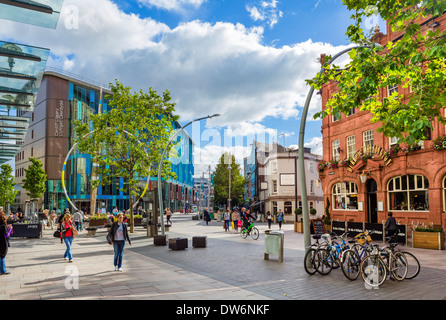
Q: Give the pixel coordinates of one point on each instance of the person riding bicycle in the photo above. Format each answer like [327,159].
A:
[245,217]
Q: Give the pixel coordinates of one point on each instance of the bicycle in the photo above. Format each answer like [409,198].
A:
[250,230]
[375,267]
[331,257]
[310,259]
[352,257]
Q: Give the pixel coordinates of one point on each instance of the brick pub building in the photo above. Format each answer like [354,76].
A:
[410,184]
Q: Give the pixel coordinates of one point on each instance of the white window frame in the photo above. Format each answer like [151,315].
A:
[397,181]
[391,89]
[367,141]
[351,146]
[340,190]
[336,146]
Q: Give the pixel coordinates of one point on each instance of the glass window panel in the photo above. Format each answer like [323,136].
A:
[411,182]
[43,13]
[419,182]
[398,183]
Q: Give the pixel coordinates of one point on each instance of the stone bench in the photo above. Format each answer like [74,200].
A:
[178,243]
[199,242]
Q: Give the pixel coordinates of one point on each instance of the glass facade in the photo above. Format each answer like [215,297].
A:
[83,101]
[42,13]
[21,70]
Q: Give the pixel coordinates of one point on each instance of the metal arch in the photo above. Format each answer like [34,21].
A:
[69,154]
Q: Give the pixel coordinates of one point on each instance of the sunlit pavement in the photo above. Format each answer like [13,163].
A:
[229,268]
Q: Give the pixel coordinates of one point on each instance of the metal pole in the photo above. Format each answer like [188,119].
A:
[160,166]
[303,183]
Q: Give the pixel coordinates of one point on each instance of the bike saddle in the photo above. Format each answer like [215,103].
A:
[316,237]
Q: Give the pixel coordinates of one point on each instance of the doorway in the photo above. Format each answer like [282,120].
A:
[372,206]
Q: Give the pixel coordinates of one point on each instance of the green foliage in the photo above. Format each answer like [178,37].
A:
[416,61]
[7,182]
[327,218]
[35,178]
[221,181]
[129,138]
[428,230]
[313,211]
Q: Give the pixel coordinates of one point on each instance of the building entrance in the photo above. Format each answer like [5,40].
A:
[372,210]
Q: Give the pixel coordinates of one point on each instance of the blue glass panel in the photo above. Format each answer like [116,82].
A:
[70,91]
[43,13]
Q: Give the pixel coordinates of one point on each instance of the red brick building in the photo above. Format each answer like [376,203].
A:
[410,184]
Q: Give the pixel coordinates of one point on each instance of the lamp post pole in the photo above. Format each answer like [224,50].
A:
[160,165]
[303,183]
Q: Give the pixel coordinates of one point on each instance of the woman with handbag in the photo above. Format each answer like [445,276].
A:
[117,235]
[67,234]
[4,243]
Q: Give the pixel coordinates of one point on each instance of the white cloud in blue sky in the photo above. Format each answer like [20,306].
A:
[224,65]
[265,11]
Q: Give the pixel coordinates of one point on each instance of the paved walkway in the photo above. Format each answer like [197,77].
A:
[229,268]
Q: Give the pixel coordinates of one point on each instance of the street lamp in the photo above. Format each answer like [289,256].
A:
[160,165]
[306,219]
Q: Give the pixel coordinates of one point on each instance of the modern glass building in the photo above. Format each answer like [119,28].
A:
[21,70]
[62,99]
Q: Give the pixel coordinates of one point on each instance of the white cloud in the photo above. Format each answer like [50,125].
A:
[172,5]
[265,11]
[208,68]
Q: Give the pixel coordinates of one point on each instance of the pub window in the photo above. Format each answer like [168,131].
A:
[336,147]
[351,146]
[408,193]
[287,207]
[345,196]
[367,141]
[391,89]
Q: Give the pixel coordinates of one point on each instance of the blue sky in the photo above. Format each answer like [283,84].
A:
[245,59]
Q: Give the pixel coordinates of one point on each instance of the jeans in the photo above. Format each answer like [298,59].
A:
[2,265]
[68,241]
[118,246]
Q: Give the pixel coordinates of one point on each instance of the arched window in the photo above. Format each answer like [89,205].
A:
[345,196]
[408,193]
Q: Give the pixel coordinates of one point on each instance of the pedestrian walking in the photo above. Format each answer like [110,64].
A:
[227,217]
[168,214]
[78,217]
[235,219]
[52,219]
[206,216]
[4,242]
[390,227]
[280,218]
[269,218]
[118,234]
[67,234]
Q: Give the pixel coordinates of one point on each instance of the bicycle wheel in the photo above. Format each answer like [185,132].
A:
[413,265]
[243,233]
[373,270]
[350,264]
[399,266]
[324,263]
[255,233]
[310,261]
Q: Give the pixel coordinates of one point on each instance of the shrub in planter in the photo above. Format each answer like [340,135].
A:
[313,211]
[428,238]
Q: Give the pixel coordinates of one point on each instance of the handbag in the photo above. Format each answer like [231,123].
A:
[109,238]
[75,232]
[56,234]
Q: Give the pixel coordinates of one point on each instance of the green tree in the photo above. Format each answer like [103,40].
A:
[7,182]
[35,178]
[417,60]
[129,138]
[221,181]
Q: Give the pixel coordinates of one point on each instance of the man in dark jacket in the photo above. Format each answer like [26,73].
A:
[390,226]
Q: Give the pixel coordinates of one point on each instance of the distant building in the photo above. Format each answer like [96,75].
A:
[271,180]
[61,100]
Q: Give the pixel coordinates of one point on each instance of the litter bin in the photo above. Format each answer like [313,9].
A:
[274,244]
